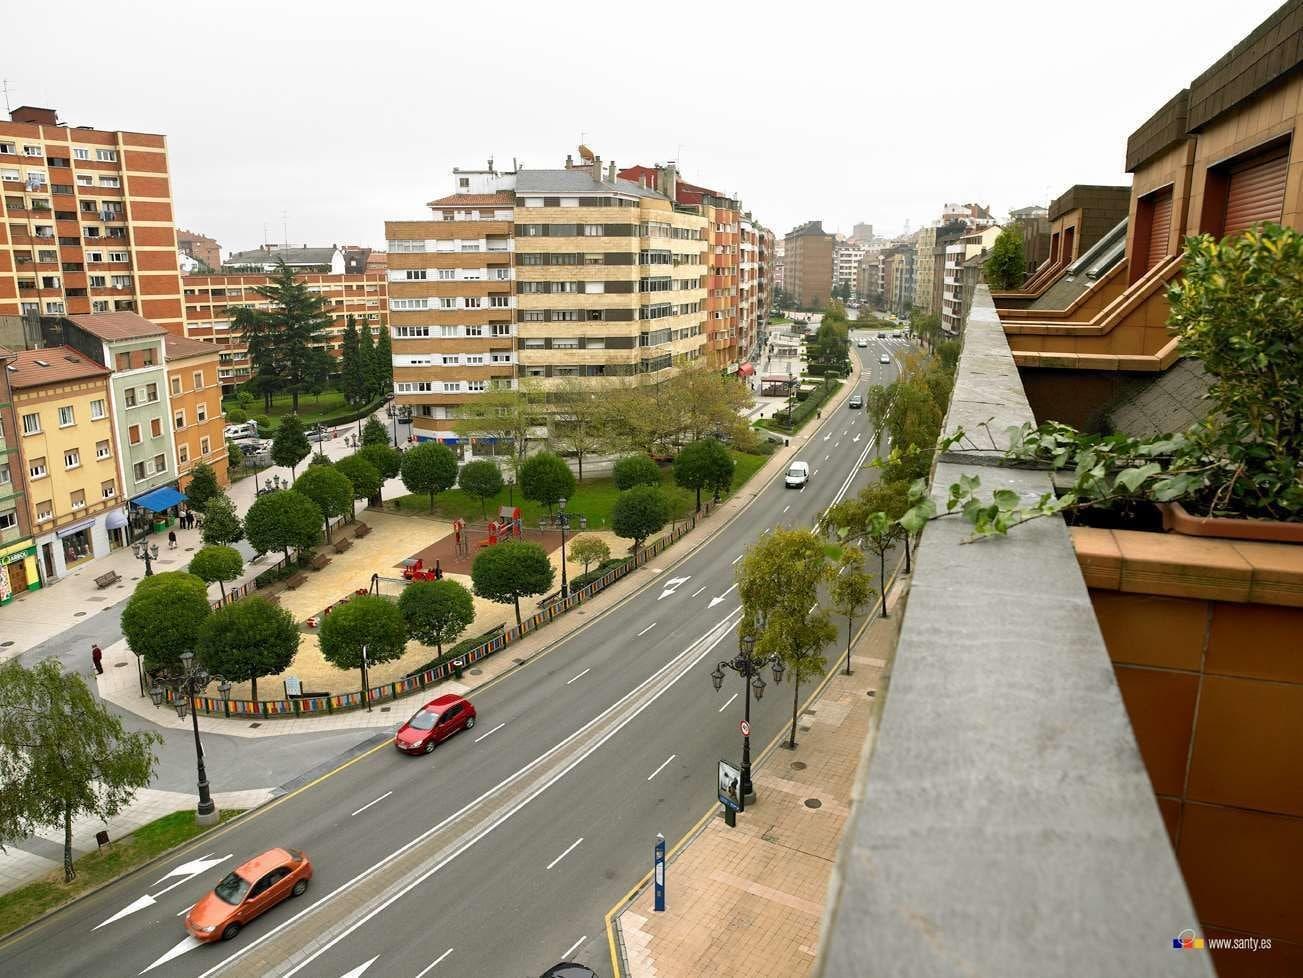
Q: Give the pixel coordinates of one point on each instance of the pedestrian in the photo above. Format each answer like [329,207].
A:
[171,539]
[96,656]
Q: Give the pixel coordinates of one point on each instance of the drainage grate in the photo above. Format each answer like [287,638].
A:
[813,803]
[870,693]
[384,709]
[119,665]
[798,765]
[254,726]
[477,672]
[78,614]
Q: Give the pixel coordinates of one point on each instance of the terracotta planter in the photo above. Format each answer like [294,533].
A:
[1177,520]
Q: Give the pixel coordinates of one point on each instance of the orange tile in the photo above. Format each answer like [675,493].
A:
[1277,571]
[1161,707]
[1170,808]
[1256,641]
[1098,555]
[1186,567]
[1152,630]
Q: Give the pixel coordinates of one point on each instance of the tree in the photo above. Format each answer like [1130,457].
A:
[217,563]
[577,422]
[436,611]
[221,525]
[639,512]
[366,355]
[234,455]
[368,621]
[387,461]
[589,550]
[375,433]
[63,755]
[382,366]
[1007,265]
[511,570]
[287,334]
[781,573]
[162,617]
[852,590]
[505,415]
[202,486]
[261,338]
[319,458]
[430,468]
[245,400]
[482,479]
[635,470]
[798,637]
[352,377]
[329,489]
[283,520]
[877,403]
[704,464]
[291,445]
[546,478]
[711,403]
[248,639]
[236,416]
[362,475]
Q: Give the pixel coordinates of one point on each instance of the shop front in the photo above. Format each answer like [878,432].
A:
[18,570]
[78,544]
[115,523]
[154,511]
[71,546]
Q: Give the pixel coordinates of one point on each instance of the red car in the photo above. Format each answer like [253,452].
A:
[438,720]
[249,891]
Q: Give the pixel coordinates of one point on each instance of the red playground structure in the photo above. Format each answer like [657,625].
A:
[414,569]
[506,527]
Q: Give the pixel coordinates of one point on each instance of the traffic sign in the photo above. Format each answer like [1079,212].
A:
[746,728]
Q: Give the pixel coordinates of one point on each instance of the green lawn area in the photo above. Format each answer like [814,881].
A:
[312,407]
[25,904]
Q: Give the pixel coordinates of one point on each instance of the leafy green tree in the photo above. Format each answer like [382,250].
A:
[262,340]
[221,524]
[248,639]
[291,445]
[851,592]
[284,340]
[382,366]
[783,571]
[436,611]
[329,489]
[589,550]
[375,433]
[245,400]
[264,425]
[577,421]
[366,358]
[482,479]
[201,487]
[877,403]
[368,620]
[639,512]
[387,461]
[362,475]
[506,415]
[352,378]
[545,478]
[234,455]
[64,755]
[1007,265]
[319,458]
[947,352]
[430,468]
[798,637]
[162,617]
[635,470]
[216,563]
[236,416]
[704,464]
[281,521]
[511,570]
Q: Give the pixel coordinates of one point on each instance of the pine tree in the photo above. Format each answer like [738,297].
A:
[366,355]
[295,322]
[350,367]
[384,365]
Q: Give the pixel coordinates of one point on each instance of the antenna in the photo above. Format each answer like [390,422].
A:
[285,234]
[4,84]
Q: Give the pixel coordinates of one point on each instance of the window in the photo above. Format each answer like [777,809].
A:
[133,434]
[565,315]
[450,360]
[501,329]
[102,450]
[160,463]
[593,230]
[474,330]
[96,257]
[473,302]
[32,151]
[138,470]
[151,393]
[415,275]
[449,331]
[106,155]
[565,343]
[201,413]
[179,420]
[156,427]
[44,511]
[54,308]
[72,458]
[183,452]
[410,332]
[451,386]
[120,256]
[107,490]
[476,385]
[78,499]
[129,393]
[198,379]
[110,182]
[447,274]
[4,474]
[31,424]
[66,418]
[8,519]
[447,303]
[532,316]
[502,273]
[36,469]
[176,386]
[97,410]
[204,445]
[80,154]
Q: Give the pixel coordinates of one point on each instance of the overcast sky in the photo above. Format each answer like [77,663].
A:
[342,115]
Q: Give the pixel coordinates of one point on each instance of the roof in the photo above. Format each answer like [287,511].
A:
[473,200]
[36,368]
[377,260]
[1152,405]
[809,227]
[578,180]
[291,256]
[183,348]
[117,325]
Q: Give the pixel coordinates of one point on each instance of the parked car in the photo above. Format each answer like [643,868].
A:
[568,969]
[248,429]
[435,722]
[856,401]
[247,892]
[884,359]
[797,475]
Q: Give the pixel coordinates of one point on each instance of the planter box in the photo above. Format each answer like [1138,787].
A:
[1178,520]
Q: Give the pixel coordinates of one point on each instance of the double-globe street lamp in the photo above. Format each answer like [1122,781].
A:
[564,521]
[190,681]
[749,668]
[146,551]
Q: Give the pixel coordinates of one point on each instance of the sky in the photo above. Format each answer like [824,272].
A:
[315,123]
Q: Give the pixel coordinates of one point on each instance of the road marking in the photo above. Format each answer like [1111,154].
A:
[185,910]
[787,507]
[491,732]
[649,777]
[187,872]
[426,970]
[580,676]
[571,949]
[816,471]
[569,849]
[187,944]
[826,457]
[717,600]
[672,585]
[704,586]
[726,703]
[646,630]
[856,439]
[827,436]
[358,971]
[736,559]
[837,443]
[370,803]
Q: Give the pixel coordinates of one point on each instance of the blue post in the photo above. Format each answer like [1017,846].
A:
[660,872]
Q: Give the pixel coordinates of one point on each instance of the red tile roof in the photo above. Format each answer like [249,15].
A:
[183,348]
[117,325]
[36,368]
[471,200]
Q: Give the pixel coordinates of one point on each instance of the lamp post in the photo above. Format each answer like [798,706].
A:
[748,667]
[393,421]
[564,521]
[186,684]
[365,693]
[511,489]
[146,551]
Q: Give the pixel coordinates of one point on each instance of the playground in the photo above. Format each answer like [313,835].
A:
[454,552]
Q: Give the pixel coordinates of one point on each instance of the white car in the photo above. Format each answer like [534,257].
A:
[798,475]
[862,343]
[884,359]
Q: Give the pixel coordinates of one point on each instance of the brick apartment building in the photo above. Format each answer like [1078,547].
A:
[199,247]
[808,265]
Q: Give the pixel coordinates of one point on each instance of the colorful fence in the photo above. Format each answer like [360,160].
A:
[309,705]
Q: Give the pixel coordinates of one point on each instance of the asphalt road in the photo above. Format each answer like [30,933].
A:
[499,854]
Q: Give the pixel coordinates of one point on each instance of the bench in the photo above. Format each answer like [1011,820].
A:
[318,561]
[362,529]
[296,579]
[342,544]
[107,579]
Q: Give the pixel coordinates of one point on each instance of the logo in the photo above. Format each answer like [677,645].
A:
[1186,941]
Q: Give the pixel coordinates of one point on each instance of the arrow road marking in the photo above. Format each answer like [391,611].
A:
[569,849]
[717,600]
[856,438]
[571,949]
[188,944]
[649,777]
[187,872]
[646,630]
[672,585]
[357,972]
[489,734]
[827,436]
[370,803]
[429,967]
[726,703]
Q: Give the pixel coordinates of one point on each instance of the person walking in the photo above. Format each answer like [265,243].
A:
[96,656]
[171,539]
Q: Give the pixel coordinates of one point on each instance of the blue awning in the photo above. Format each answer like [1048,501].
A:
[159,500]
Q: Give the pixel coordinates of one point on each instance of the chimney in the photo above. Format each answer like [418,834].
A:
[570,161]
[597,169]
[610,173]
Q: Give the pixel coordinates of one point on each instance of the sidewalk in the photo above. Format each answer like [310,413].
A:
[765,882]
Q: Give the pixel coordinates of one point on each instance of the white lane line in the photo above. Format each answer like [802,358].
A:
[370,803]
[426,970]
[652,775]
[185,910]
[491,732]
[787,507]
[816,471]
[646,630]
[826,457]
[704,586]
[837,443]
[580,676]
[569,849]
[569,951]
[726,702]
[736,559]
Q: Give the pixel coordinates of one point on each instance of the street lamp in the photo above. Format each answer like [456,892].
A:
[365,693]
[511,489]
[185,684]
[749,668]
[146,551]
[564,521]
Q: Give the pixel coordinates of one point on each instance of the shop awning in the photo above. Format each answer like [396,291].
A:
[158,500]
[115,520]
[746,370]
[68,531]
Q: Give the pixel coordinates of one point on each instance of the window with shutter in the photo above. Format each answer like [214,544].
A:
[1160,228]
[1255,193]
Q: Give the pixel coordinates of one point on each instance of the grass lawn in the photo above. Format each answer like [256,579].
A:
[311,406]
[25,904]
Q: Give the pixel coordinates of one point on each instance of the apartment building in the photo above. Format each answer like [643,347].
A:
[925,268]
[85,221]
[267,258]
[780,263]
[209,300]
[199,247]
[962,270]
[808,265]
[862,234]
[974,215]
[846,257]
[868,279]
[68,452]
[18,571]
[195,393]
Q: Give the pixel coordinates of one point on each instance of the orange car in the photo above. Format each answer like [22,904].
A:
[253,888]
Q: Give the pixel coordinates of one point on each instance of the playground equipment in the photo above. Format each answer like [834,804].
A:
[414,569]
[505,527]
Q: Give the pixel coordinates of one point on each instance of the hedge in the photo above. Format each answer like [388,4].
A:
[604,568]
[461,648]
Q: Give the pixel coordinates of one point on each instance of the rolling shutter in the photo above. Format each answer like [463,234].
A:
[1160,229]
[1256,193]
